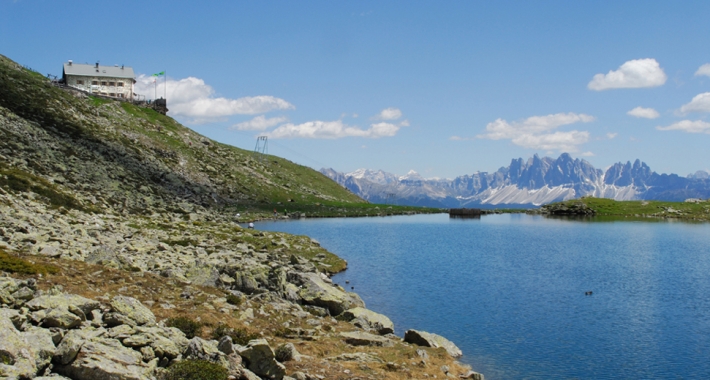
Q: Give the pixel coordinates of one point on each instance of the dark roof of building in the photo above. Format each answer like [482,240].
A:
[100,71]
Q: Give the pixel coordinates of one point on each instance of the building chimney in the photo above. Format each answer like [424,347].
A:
[70,62]
[97,65]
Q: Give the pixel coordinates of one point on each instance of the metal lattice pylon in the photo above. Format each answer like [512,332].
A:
[262,148]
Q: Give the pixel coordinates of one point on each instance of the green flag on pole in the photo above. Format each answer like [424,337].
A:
[159,74]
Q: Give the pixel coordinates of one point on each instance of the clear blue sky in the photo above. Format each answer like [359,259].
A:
[445,88]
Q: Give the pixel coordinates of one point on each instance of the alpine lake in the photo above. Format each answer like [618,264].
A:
[512,290]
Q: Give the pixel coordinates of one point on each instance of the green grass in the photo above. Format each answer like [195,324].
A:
[96,101]
[14,264]
[640,209]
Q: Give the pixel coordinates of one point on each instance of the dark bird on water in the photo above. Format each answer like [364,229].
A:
[588,293]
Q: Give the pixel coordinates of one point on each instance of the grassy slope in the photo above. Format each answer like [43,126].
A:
[130,147]
[660,209]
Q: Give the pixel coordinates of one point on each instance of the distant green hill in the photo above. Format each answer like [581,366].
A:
[85,152]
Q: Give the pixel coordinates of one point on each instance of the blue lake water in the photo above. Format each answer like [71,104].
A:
[509,290]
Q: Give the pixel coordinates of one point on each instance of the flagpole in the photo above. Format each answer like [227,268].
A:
[165,89]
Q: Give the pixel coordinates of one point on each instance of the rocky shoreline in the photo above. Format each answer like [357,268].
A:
[76,337]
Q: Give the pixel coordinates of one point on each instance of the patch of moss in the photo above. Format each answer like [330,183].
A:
[14,264]
[186,325]
[195,370]
[96,101]
[5,358]
[239,335]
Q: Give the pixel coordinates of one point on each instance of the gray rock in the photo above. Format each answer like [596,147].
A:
[17,318]
[69,347]
[63,300]
[359,338]
[113,319]
[472,375]
[103,358]
[226,345]
[165,342]
[61,317]
[24,353]
[317,292]
[287,352]
[261,360]
[133,309]
[360,357]
[422,338]
[369,320]
[201,349]
[248,375]
[24,294]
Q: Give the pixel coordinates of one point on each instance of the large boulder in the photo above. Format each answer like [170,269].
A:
[422,338]
[165,342]
[133,309]
[23,354]
[63,300]
[369,320]
[104,358]
[315,291]
[262,360]
[61,317]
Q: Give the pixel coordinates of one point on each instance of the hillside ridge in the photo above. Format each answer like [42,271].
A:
[120,236]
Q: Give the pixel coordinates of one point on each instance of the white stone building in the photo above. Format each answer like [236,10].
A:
[114,81]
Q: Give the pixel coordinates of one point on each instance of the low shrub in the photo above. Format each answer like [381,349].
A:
[239,336]
[195,370]
[186,325]
[234,300]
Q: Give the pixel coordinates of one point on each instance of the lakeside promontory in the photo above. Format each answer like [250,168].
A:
[123,256]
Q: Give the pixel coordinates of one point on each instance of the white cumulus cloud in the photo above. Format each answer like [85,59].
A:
[703,70]
[561,141]
[611,135]
[389,114]
[689,126]
[646,113]
[637,73]
[191,97]
[536,132]
[700,103]
[259,123]
[332,130]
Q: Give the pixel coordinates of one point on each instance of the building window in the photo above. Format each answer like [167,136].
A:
[94,83]
[120,95]
[103,83]
[112,95]
[119,84]
[112,84]
[79,81]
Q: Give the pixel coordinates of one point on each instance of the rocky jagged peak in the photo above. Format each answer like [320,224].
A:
[411,176]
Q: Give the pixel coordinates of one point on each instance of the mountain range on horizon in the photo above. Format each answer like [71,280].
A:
[530,183]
